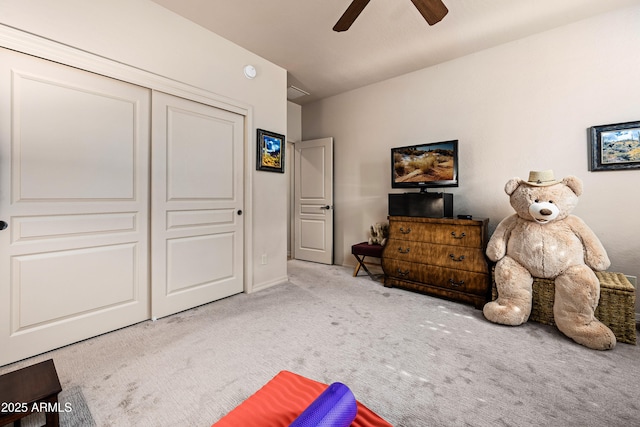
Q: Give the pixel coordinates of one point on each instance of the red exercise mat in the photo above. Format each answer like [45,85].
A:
[279,402]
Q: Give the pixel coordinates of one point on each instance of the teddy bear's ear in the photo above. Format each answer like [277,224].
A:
[574,183]
[511,185]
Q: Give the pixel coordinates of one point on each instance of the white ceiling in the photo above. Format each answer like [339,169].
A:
[389,38]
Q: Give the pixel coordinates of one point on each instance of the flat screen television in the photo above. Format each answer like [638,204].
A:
[430,165]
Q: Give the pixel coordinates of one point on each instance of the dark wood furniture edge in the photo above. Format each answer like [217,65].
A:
[477,301]
[29,385]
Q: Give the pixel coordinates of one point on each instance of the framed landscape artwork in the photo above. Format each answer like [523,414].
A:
[270,155]
[614,147]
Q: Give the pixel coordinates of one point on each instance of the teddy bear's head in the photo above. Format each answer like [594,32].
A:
[544,201]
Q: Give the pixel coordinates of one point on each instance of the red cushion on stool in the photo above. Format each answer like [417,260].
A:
[282,399]
[366,249]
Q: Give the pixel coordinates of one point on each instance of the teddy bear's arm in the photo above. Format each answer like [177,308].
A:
[595,256]
[497,246]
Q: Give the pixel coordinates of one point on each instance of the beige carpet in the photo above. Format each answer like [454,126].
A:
[415,360]
[75,411]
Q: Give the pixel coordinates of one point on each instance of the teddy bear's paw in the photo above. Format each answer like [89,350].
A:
[595,335]
[506,313]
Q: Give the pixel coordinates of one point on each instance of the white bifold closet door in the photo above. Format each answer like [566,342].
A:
[197,201]
[74,180]
[121,204]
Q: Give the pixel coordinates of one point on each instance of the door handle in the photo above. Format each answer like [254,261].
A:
[3,225]
[327,207]
[239,211]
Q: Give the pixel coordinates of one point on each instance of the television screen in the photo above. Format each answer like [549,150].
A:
[425,166]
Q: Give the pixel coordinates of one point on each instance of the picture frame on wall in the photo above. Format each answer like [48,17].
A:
[614,147]
[270,154]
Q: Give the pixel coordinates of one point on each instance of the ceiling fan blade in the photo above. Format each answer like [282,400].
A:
[350,15]
[432,10]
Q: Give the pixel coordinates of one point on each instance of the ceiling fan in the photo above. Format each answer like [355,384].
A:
[432,10]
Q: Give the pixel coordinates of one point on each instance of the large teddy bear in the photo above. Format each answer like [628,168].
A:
[542,239]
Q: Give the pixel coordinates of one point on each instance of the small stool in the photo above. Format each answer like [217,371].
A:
[363,250]
[26,388]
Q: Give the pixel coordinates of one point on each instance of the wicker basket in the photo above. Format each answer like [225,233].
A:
[615,309]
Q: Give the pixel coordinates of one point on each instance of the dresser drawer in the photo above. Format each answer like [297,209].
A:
[448,278]
[457,257]
[444,234]
[443,257]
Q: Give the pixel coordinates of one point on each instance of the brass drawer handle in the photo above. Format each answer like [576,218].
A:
[403,273]
[453,258]
[462,236]
[403,231]
[454,283]
[403,251]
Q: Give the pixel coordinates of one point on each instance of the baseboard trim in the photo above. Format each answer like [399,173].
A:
[269,284]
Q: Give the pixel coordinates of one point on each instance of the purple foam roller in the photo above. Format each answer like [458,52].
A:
[335,407]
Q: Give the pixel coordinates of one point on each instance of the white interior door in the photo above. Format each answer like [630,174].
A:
[74,181]
[313,193]
[197,202]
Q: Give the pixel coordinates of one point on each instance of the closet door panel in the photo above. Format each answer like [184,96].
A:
[73,142]
[197,203]
[74,179]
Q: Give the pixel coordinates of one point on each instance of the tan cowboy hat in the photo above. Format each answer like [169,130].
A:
[541,178]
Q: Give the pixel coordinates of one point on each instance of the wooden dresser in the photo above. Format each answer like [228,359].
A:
[443,257]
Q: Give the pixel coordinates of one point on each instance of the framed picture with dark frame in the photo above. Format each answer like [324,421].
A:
[270,155]
[614,147]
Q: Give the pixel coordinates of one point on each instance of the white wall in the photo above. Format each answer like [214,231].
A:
[294,134]
[294,122]
[144,35]
[518,107]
